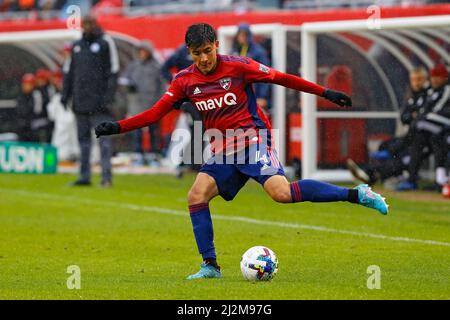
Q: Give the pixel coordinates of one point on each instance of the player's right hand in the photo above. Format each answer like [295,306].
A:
[107,128]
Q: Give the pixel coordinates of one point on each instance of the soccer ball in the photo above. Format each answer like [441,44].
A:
[259,264]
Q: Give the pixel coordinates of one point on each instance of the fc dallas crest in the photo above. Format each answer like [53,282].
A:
[225,83]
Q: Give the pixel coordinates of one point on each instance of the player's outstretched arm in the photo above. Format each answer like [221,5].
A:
[143,119]
[256,72]
[300,84]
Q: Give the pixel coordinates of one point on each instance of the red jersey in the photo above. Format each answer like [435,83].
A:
[224,98]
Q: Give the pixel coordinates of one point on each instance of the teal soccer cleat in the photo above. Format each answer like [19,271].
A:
[370,199]
[206,271]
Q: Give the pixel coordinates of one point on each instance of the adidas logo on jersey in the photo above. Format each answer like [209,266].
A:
[229,99]
[197,90]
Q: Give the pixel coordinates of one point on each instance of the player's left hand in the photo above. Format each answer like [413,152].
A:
[337,97]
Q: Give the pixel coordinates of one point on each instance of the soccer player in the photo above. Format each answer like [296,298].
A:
[221,88]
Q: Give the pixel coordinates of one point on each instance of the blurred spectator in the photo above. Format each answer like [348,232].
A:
[64,134]
[25,5]
[26,103]
[112,7]
[245,46]
[7,5]
[179,60]
[415,105]
[107,7]
[45,5]
[393,157]
[91,81]
[67,49]
[56,79]
[430,130]
[218,4]
[143,78]
[419,85]
[42,123]
[59,4]
[43,84]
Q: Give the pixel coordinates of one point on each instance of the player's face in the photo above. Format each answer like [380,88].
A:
[205,56]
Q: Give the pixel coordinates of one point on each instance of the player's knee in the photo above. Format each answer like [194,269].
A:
[282,196]
[195,197]
[279,189]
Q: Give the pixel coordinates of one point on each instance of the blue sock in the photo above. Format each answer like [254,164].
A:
[317,191]
[203,230]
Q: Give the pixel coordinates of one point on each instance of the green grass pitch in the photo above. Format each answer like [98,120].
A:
[135,241]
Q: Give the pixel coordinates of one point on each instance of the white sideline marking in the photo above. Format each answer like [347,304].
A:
[223,217]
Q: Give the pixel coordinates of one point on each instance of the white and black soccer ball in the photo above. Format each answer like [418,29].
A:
[259,264]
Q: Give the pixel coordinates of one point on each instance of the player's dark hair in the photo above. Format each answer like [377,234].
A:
[199,34]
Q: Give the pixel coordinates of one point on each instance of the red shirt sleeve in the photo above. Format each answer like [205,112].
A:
[156,112]
[257,72]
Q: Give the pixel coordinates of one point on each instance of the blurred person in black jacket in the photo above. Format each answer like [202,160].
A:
[26,103]
[90,80]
